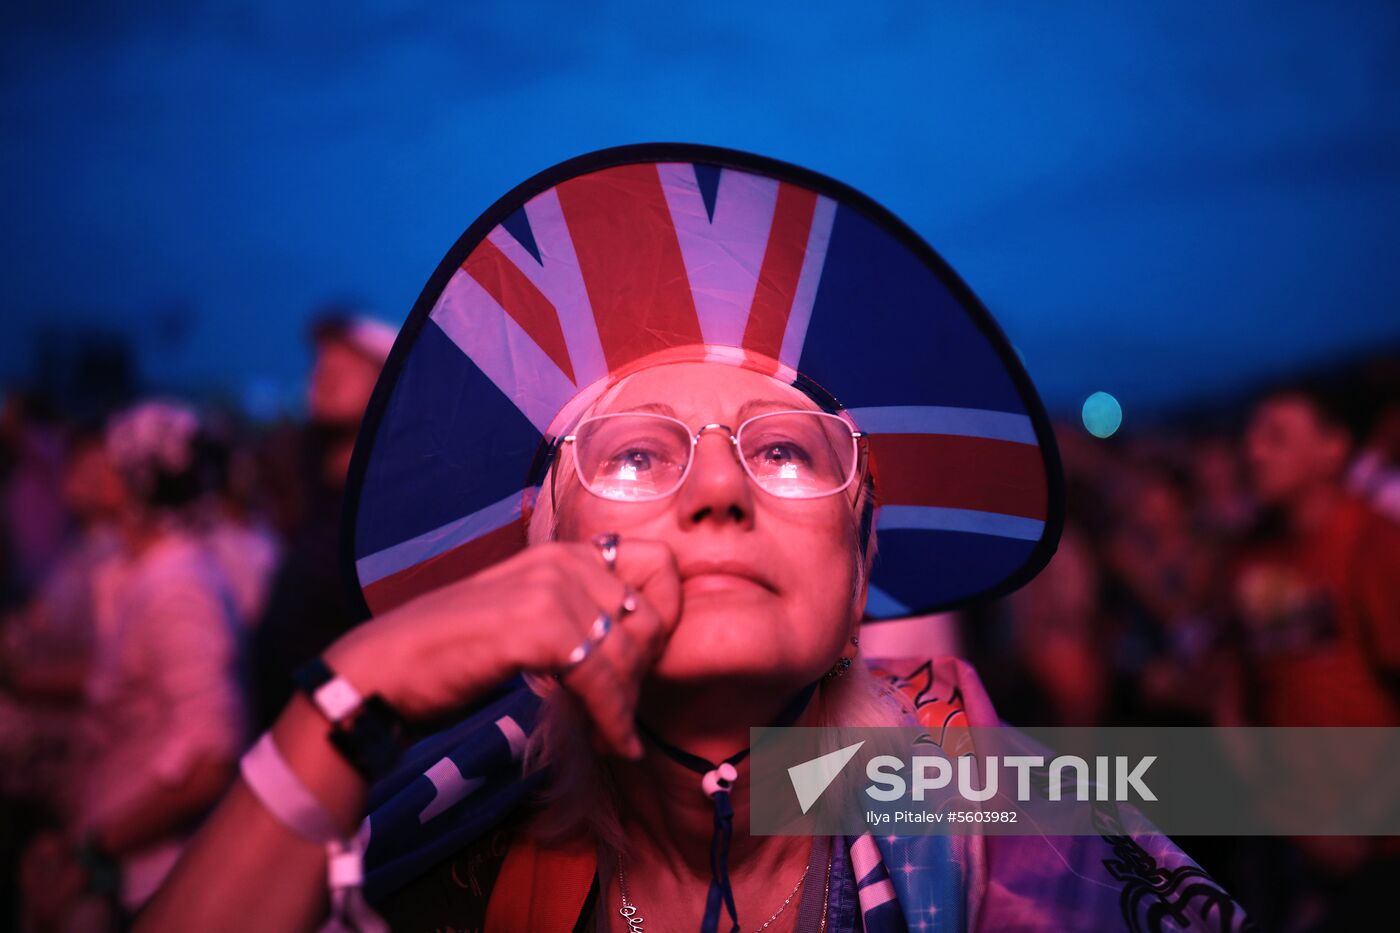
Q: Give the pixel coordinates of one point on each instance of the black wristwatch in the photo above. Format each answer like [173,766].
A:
[367,731]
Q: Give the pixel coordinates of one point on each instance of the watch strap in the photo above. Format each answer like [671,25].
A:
[334,696]
[365,730]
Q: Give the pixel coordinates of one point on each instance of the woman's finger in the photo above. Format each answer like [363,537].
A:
[606,679]
[633,604]
[609,698]
[648,567]
[647,633]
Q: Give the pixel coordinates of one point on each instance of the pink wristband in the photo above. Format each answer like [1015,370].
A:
[279,790]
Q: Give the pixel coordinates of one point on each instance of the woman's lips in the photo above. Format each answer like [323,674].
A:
[702,583]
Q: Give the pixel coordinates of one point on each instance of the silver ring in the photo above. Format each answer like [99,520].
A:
[600,628]
[606,543]
[602,625]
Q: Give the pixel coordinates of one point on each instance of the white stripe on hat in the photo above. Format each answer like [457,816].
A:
[963,422]
[941,518]
[558,277]
[502,349]
[722,257]
[430,544]
[801,313]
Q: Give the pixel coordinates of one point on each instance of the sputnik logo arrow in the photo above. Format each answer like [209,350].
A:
[811,778]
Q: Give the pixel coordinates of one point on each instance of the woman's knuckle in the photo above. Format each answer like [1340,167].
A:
[650,630]
[548,579]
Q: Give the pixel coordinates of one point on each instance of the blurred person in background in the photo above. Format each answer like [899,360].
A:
[1223,506]
[44,648]
[1165,571]
[164,720]
[307,608]
[1059,673]
[1317,592]
[1375,473]
[1316,596]
[236,534]
[1046,650]
[33,521]
[47,645]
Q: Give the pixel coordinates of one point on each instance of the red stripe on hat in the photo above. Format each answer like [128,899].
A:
[631,262]
[520,298]
[782,266]
[954,472]
[462,561]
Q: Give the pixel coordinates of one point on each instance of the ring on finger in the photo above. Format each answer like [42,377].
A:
[600,628]
[602,625]
[606,543]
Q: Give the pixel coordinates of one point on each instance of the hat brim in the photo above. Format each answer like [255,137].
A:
[608,259]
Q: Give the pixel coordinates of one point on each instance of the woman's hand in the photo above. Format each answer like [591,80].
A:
[446,648]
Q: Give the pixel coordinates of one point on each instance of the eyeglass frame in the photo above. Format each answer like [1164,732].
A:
[858,465]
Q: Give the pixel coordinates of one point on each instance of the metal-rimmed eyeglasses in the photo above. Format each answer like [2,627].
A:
[641,457]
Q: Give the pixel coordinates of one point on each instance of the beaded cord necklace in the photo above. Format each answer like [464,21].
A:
[717,781]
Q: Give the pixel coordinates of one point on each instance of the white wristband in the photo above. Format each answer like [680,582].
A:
[283,795]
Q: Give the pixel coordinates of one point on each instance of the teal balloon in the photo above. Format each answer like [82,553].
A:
[1102,414]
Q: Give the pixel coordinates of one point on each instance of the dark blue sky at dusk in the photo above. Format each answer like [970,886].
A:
[1162,201]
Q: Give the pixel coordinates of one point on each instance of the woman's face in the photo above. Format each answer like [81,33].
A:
[768,584]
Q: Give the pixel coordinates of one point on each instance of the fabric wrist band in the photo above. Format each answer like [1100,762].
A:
[277,787]
[282,793]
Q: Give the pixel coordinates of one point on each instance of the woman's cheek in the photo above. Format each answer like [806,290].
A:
[825,580]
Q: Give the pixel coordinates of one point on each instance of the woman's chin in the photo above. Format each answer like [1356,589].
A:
[719,626]
[730,643]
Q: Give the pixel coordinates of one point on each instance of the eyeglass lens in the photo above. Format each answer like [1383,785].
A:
[636,457]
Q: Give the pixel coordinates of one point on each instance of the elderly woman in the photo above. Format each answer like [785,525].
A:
[633,446]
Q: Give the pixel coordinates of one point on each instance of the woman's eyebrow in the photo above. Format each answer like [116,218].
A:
[660,408]
[745,410]
[755,405]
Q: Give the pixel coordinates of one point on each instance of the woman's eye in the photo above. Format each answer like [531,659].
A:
[634,460]
[779,454]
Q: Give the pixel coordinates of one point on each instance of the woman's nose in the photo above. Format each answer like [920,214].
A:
[717,489]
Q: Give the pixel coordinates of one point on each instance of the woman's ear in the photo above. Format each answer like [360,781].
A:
[861,592]
[858,607]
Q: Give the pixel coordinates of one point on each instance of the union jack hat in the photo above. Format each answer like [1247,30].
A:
[637,255]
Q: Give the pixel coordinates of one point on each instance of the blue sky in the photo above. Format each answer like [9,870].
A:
[1161,201]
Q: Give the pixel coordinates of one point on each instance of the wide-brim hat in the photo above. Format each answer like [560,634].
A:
[639,255]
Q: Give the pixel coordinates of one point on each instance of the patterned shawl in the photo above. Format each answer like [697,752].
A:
[454,787]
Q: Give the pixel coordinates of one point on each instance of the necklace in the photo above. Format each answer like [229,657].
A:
[635,920]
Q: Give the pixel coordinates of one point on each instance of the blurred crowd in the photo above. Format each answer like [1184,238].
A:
[1245,573]
[1237,568]
[166,568]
